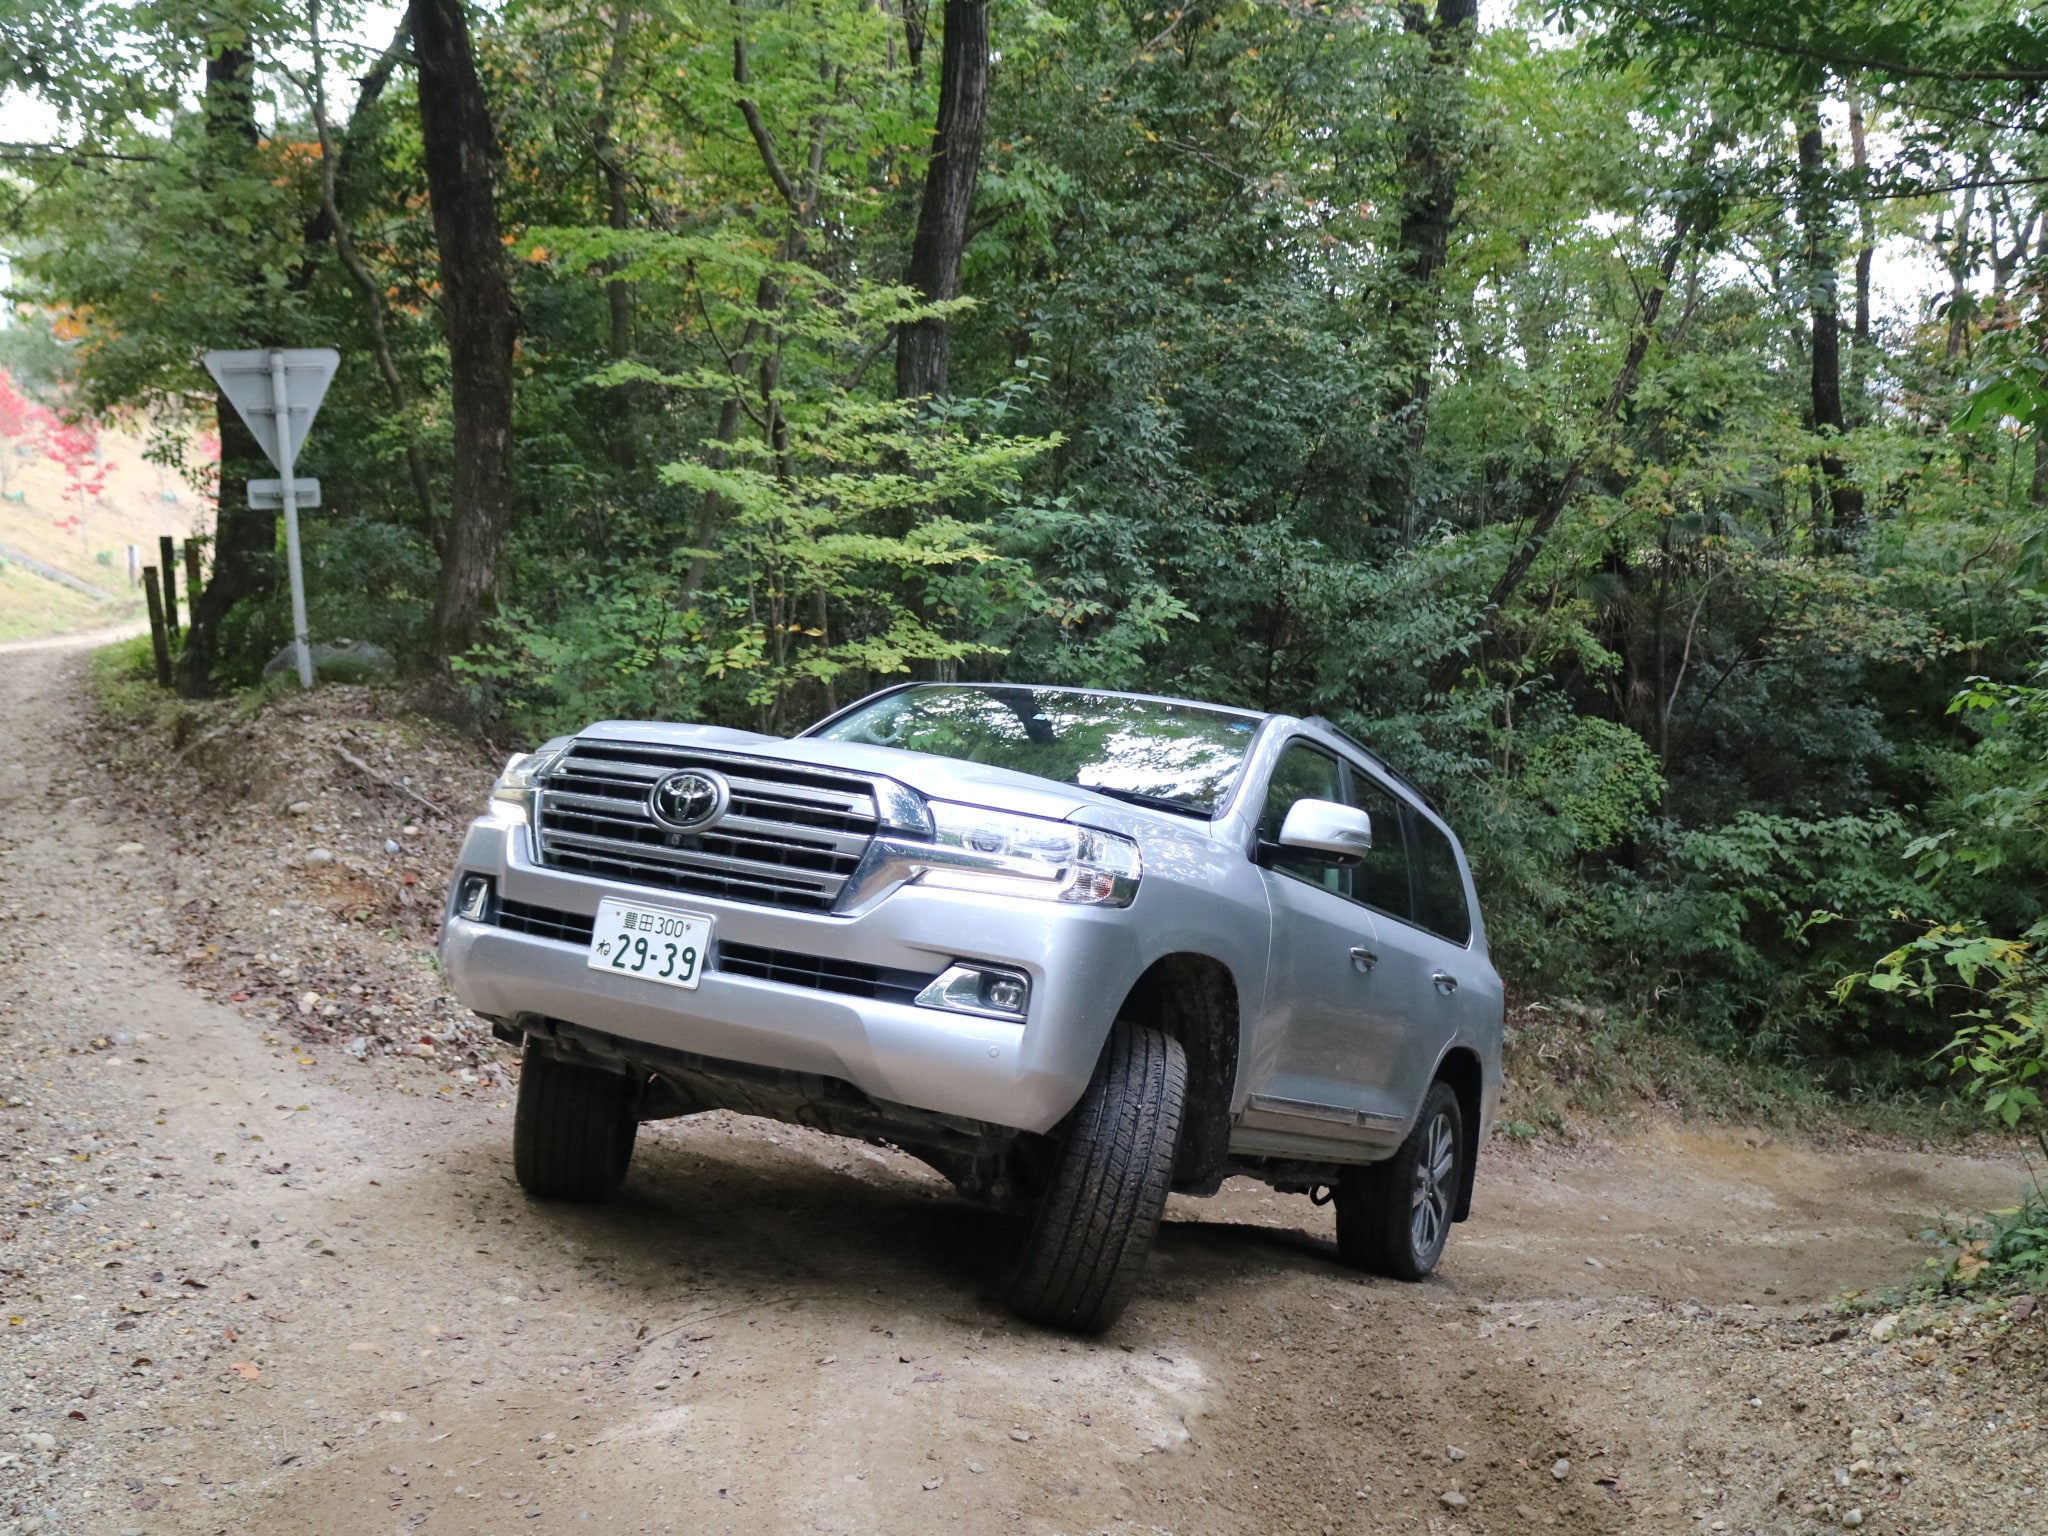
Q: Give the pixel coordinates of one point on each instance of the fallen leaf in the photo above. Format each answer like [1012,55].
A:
[245,1369]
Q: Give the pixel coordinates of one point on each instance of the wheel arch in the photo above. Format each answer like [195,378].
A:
[1194,998]
[1461,1070]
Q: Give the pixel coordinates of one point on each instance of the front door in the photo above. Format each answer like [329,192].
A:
[1304,1072]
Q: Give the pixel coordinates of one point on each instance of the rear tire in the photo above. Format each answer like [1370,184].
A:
[1086,1239]
[573,1130]
[1394,1217]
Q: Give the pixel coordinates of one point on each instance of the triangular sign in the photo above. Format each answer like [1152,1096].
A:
[247,379]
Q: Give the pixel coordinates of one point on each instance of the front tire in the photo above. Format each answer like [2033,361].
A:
[1087,1237]
[1394,1217]
[573,1129]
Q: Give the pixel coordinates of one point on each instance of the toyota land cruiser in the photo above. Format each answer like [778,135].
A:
[1073,948]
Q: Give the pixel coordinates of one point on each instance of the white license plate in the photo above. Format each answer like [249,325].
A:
[651,943]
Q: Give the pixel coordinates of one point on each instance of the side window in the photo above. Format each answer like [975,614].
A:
[1381,880]
[1303,773]
[1439,891]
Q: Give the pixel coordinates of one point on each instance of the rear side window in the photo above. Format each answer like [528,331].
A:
[1381,879]
[1439,889]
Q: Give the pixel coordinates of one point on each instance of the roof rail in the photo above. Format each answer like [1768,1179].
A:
[1379,762]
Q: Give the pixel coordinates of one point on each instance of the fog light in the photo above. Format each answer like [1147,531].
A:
[983,990]
[473,898]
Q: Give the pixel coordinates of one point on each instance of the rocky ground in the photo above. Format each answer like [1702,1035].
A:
[263,1267]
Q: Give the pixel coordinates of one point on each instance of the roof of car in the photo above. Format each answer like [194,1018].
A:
[1100,693]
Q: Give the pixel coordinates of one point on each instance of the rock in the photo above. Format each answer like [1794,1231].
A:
[319,855]
[1852,1519]
[1560,1469]
[931,1484]
[358,1047]
[1455,1453]
[1452,1500]
[301,807]
[128,850]
[1020,1435]
[391,845]
[974,1466]
[2023,1308]
[1886,1328]
[337,661]
[39,1441]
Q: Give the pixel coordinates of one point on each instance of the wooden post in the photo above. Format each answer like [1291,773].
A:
[159,636]
[169,570]
[191,575]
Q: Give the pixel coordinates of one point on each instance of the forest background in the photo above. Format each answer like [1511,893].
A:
[1506,387]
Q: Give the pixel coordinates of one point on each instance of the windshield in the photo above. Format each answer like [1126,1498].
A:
[1179,756]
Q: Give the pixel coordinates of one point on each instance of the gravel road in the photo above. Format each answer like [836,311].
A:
[252,1283]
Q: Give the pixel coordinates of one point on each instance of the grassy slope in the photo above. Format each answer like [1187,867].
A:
[130,510]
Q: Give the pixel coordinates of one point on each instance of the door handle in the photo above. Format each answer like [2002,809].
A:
[1363,960]
[1446,983]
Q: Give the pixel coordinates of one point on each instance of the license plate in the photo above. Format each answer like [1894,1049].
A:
[650,943]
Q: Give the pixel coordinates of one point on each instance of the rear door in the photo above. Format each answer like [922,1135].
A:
[1412,1009]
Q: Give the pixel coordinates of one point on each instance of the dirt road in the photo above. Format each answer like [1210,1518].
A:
[251,1285]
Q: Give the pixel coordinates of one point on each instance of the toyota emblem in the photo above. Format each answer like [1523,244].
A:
[689,801]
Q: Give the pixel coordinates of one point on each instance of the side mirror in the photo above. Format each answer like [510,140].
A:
[1339,832]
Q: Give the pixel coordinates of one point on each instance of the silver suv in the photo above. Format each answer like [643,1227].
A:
[1074,949]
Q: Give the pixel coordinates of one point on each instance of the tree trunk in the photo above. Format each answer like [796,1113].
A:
[618,297]
[934,270]
[1429,199]
[1866,246]
[478,314]
[1959,262]
[243,540]
[1824,348]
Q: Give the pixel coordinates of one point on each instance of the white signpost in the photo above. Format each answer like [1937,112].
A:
[277,391]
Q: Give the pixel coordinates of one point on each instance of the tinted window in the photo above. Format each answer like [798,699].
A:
[1381,879]
[1303,773]
[1149,750]
[1439,890]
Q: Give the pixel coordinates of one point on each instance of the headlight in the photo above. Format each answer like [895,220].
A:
[519,781]
[1012,855]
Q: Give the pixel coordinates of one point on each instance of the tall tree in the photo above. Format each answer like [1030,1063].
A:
[458,145]
[1824,330]
[941,240]
[1432,155]
[243,538]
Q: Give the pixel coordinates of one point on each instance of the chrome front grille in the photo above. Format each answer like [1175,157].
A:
[790,838]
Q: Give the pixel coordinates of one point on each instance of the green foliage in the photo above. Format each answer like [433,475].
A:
[2003,1251]
[1218,427]
[1599,778]
[2001,1043]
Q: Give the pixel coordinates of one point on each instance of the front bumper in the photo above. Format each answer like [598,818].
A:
[1081,961]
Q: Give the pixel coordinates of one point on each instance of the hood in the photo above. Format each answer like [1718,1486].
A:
[941,778]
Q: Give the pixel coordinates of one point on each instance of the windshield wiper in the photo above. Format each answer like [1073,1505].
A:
[1150,802]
